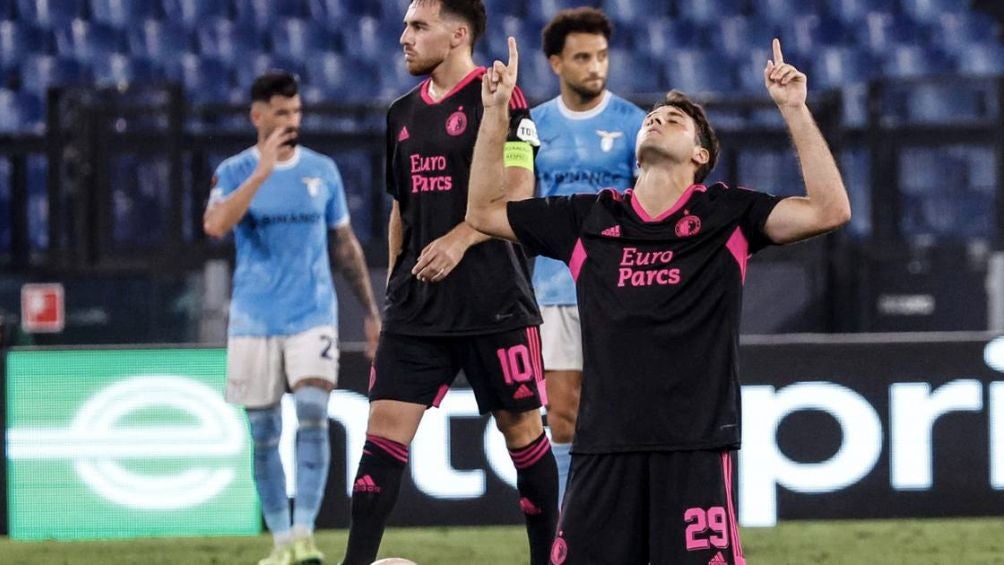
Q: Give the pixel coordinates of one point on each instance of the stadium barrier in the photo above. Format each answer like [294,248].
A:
[836,426]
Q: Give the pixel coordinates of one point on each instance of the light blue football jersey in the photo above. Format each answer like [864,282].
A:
[581,152]
[282,279]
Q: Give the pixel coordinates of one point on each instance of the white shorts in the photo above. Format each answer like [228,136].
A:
[561,338]
[259,368]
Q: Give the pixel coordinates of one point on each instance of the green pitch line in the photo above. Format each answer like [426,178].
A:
[917,542]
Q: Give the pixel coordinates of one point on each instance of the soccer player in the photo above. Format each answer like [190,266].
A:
[284,202]
[456,300]
[587,144]
[659,273]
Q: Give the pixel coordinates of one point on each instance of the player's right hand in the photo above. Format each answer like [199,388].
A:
[500,79]
[270,149]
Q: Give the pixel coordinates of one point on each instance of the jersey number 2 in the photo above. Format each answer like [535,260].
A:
[328,343]
[700,521]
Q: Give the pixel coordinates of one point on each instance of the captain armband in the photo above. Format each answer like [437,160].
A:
[518,154]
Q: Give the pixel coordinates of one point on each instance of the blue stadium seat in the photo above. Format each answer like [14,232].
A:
[782,11]
[749,70]
[259,64]
[541,11]
[813,32]
[123,13]
[158,40]
[370,39]
[205,79]
[262,14]
[904,61]
[696,71]
[194,13]
[657,37]
[21,112]
[86,41]
[956,31]
[881,31]
[852,12]
[499,8]
[122,70]
[334,77]
[50,14]
[338,11]
[982,59]
[527,36]
[223,39]
[735,36]
[17,40]
[396,81]
[536,78]
[8,9]
[38,202]
[855,167]
[299,38]
[928,11]
[633,11]
[775,171]
[834,67]
[39,72]
[355,168]
[705,12]
[633,73]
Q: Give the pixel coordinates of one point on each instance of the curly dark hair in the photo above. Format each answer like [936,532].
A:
[574,20]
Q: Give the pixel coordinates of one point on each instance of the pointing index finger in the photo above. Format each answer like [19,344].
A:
[513,54]
[778,57]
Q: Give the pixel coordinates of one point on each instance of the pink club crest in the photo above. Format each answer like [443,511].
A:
[456,124]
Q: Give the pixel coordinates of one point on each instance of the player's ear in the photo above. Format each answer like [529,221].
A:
[701,155]
[460,36]
[256,113]
[555,61]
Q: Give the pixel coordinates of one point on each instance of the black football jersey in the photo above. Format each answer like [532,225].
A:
[429,149]
[659,300]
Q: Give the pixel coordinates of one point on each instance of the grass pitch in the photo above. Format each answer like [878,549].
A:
[878,542]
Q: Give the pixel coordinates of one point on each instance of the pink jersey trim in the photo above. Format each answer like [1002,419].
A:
[680,202]
[440,394]
[423,90]
[737,547]
[394,449]
[536,358]
[740,249]
[578,258]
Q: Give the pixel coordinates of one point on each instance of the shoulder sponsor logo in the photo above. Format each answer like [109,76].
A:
[607,139]
[527,131]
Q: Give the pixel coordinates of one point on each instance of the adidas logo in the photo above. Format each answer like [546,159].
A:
[528,507]
[522,392]
[614,231]
[718,559]
[404,134]
[365,484]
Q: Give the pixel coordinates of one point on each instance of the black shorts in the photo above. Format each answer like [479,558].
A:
[504,369]
[661,507]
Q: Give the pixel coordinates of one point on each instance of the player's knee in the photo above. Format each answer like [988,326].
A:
[266,426]
[519,427]
[311,407]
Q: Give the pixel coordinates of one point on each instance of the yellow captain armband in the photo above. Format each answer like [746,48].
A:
[518,154]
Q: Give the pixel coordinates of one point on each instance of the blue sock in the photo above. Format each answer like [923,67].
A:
[269,478]
[313,454]
[564,460]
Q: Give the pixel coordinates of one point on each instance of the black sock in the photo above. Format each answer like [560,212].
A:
[537,483]
[373,496]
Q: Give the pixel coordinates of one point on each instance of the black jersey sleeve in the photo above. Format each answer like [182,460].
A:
[521,126]
[756,207]
[550,226]
[389,140]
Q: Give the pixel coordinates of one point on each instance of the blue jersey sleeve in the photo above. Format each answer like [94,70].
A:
[336,214]
[224,182]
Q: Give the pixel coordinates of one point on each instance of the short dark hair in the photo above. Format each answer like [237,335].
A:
[471,11]
[275,82]
[706,136]
[574,20]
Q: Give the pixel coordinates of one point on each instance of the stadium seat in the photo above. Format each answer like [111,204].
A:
[338,78]
[537,80]
[122,70]
[299,38]
[834,67]
[946,102]
[748,69]
[771,170]
[696,71]
[813,32]
[855,167]
[657,37]
[633,73]
[527,35]
[735,36]
[705,12]
[628,12]
[123,13]
[8,9]
[17,40]
[50,14]
[852,12]
[956,31]
[928,11]
[193,13]
[982,59]
[205,79]
[903,61]
[223,39]
[262,14]
[371,40]
[396,81]
[356,170]
[38,202]
[782,11]
[541,11]
[255,66]
[20,112]
[881,31]
[158,40]
[86,41]
[39,72]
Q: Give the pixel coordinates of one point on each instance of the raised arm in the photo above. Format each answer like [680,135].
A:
[488,194]
[825,205]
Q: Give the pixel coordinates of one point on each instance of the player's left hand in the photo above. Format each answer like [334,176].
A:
[371,327]
[787,85]
[499,80]
[439,258]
